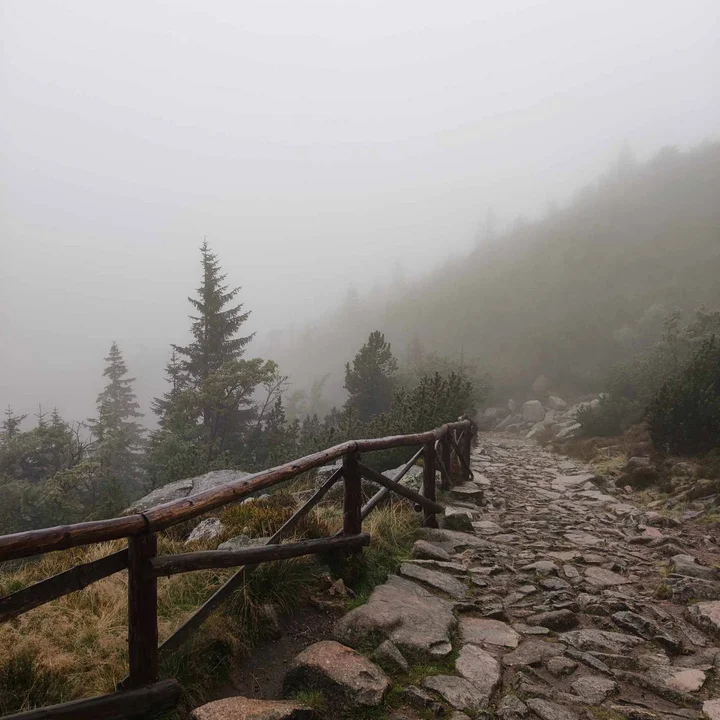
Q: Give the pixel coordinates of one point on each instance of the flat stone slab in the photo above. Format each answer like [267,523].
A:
[481,631]
[424,550]
[467,491]
[570,482]
[584,539]
[242,708]
[487,527]
[532,652]
[684,680]
[404,612]
[480,668]
[459,540]
[337,669]
[457,518]
[711,708]
[593,689]
[547,710]
[438,580]
[599,577]
[457,691]
[592,640]
[705,615]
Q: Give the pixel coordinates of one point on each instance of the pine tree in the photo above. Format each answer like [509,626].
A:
[119,435]
[370,380]
[215,327]
[205,416]
[11,424]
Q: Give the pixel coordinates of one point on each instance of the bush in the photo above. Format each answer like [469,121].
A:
[684,415]
[612,417]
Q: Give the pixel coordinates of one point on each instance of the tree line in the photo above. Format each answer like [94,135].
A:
[220,410]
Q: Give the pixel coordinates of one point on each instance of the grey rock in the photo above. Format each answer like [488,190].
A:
[600,640]
[338,670]
[532,652]
[457,518]
[405,613]
[593,689]
[533,411]
[688,566]
[207,529]
[438,580]
[424,550]
[239,542]
[556,403]
[487,527]
[547,710]
[459,540]
[243,708]
[388,656]
[511,707]
[706,616]
[560,666]
[185,488]
[484,631]
[555,619]
[467,491]
[599,577]
[480,668]
[457,691]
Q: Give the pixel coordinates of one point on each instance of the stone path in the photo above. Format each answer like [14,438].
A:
[550,597]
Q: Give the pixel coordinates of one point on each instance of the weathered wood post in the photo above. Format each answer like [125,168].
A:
[429,518]
[466,446]
[142,610]
[446,456]
[352,505]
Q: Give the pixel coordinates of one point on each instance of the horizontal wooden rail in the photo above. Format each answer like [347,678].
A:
[166,565]
[61,584]
[403,490]
[140,702]
[35,542]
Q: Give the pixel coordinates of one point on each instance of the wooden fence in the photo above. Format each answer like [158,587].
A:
[141,692]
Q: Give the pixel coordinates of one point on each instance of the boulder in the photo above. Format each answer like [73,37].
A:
[457,518]
[242,708]
[688,566]
[568,432]
[185,488]
[533,411]
[390,657]
[404,612]
[556,403]
[541,385]
[207,529]
[339,671]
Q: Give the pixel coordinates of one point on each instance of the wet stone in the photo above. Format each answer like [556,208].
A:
[481,631]
[593,689]
[424,550]
[438,580]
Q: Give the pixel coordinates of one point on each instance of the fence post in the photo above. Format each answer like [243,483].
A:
[429,519]
[466,446]
[352,505]
[142,610]
[446,456]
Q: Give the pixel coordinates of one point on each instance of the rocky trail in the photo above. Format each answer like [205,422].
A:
[545,595]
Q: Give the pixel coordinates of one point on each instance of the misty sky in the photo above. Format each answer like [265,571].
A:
[313,143]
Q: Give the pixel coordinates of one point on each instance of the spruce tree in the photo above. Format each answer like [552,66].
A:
[118,434]
[215,326]
[205,416]
[370,380]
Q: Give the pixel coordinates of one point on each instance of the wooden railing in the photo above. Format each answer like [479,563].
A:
[140,692]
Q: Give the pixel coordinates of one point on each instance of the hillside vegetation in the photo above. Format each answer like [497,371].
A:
[566,296]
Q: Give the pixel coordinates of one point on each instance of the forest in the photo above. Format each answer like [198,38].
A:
[612,293]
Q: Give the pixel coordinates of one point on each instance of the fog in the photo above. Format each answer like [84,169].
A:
[317,145]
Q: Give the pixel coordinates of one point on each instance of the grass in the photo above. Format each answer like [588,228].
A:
[76,646]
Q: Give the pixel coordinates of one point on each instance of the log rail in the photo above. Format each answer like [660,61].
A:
[142,691]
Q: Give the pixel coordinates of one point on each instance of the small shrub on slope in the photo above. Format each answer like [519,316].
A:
[684,416]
